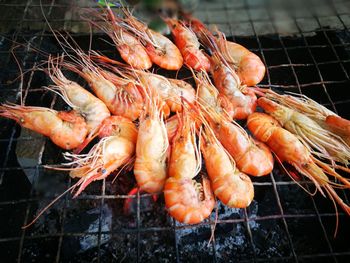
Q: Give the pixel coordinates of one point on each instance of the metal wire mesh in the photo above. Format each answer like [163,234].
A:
[283,223]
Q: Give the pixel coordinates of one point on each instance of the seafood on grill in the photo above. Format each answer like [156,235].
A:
[324,143]
[151,149]
[67,130]
[130,48]
[124,99]
[240,102]
[232,187]
[159,48]
[164,151]
[340,126]
[91,108]
[170,90]
[187,200]
[288,148]
[326,118]
[115,150]
[188,44]
[251,157]
[248,66]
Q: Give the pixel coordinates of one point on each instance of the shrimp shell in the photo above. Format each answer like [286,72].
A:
[66,129]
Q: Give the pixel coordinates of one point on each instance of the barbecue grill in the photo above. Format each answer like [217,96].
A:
[307,52]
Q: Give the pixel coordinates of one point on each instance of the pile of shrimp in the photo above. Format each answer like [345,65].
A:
[180,140]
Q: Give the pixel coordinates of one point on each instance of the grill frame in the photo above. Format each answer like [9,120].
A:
[138,231]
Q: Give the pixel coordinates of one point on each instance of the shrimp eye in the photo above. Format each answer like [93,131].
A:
[21,120]
[103,171]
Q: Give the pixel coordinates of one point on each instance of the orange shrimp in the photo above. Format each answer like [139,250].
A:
[115,150]
[324,143]
[170,90]
[240,101]
[129,47]
[66,129]
[252,157]
[188,45]
[288,148]
[326,118]
[232,187]
[159,48]
[151,150]
[81,100]
[186,200]
[125,100]
[340,126]
[248,66]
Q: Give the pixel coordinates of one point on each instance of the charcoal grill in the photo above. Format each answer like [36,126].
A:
[311,55]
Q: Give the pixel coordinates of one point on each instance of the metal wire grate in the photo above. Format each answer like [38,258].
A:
[282,224]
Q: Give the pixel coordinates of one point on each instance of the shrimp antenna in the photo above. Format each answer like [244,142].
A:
[48,206]
[21,74]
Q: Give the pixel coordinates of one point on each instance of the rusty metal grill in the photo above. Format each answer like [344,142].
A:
[283,224]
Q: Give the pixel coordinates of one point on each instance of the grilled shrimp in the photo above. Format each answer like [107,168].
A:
[340,126]
[113,151]
[288,148]
[186,200]
[124,99]
[159,48]
[91,108]
[232,187]
[240,102]
[170,90]
[248,66]
[317,112]
[130,48]
[324,143]
[252,157]
[66,129]
[151,150]
[188,45]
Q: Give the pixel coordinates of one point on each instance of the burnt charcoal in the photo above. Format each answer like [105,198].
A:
[91,221]
[270,239]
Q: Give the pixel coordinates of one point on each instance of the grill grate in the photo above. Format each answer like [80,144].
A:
[282,224]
